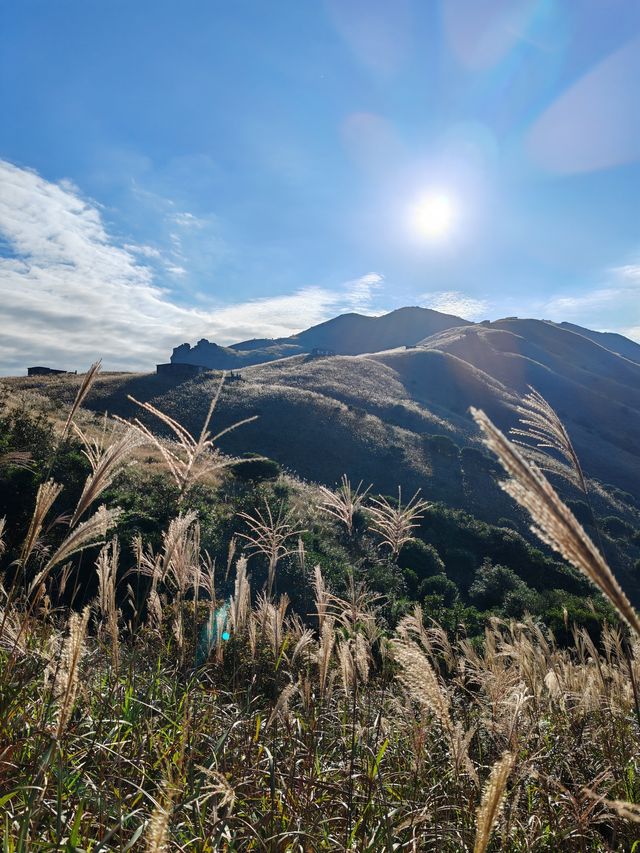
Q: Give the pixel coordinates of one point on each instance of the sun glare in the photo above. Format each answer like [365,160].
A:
[433,216]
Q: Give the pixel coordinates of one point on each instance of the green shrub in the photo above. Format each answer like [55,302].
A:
[442,586]
[500,587]
[471,458]
[442,445]
[616,527]
[581,511]
[422,558]
[256,469]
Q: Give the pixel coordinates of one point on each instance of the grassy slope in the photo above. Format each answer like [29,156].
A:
[596,393]
[367,415]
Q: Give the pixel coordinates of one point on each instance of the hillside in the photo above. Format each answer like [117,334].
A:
[348,334]
[610,340]
[401,416]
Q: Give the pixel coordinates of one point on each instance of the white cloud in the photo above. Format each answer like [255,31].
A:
[176,271]
[69,293]
[188,220]
[145,251]
[614,307]
[360,291]
[457,303]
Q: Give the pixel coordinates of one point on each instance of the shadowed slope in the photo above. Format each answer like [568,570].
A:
[348,334]
[610,340]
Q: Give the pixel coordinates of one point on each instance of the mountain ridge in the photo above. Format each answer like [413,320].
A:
[391,400]
[356,334]
[346,334]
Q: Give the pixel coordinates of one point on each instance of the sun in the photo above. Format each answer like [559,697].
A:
[433,216]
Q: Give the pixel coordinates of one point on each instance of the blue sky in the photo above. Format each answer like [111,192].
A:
[243,169]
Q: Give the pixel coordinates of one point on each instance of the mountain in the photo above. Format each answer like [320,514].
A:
[348,334]
[609,340]
[400,415]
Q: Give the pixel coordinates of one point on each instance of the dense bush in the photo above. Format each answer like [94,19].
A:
[442,445]
[500,587]
[472,457]
[421,557]
[257,468]
[441,586]
[616,527]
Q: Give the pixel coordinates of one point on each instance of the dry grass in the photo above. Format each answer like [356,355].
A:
[343,504]
[270,533]
[189,459]
[233,725]
[553,521]
[394,523]
[343,751]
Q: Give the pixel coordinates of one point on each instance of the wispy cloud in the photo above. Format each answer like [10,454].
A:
[457,303]
[70,292]
[361,291]
[188,220]
[613,307]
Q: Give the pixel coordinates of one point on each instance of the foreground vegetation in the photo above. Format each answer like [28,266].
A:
[235,662]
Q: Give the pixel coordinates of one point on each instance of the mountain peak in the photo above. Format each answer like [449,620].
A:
[346,334]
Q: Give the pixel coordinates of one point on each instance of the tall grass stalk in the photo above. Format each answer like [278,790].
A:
[553,521]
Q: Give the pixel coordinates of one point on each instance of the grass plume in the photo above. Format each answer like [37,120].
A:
[553,521]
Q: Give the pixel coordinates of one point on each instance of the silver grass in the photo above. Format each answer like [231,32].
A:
[154,609]
[65,686]
[240,603]
[252,635]
[107,458]
[17,458]
[624,809]
[342,504]
[107,571]
[218,786]
[325,651]
[90,532]
[347,665]
[322,596]
[553,521]
[176,561]
[304,642]
[87,383]
[190,459]
[231,552]
[282,705]
[269,535]
[205,580]
[12,631]
[542,426]
[411,627]
[157,830]
[420,681]
[45,497]
[361,657]
[302,556]
[492,800]
[181,558]
[65,574]
[395,524]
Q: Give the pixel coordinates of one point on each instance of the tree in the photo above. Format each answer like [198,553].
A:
[421,558]
[442,586]
[256,468]
[500,586]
